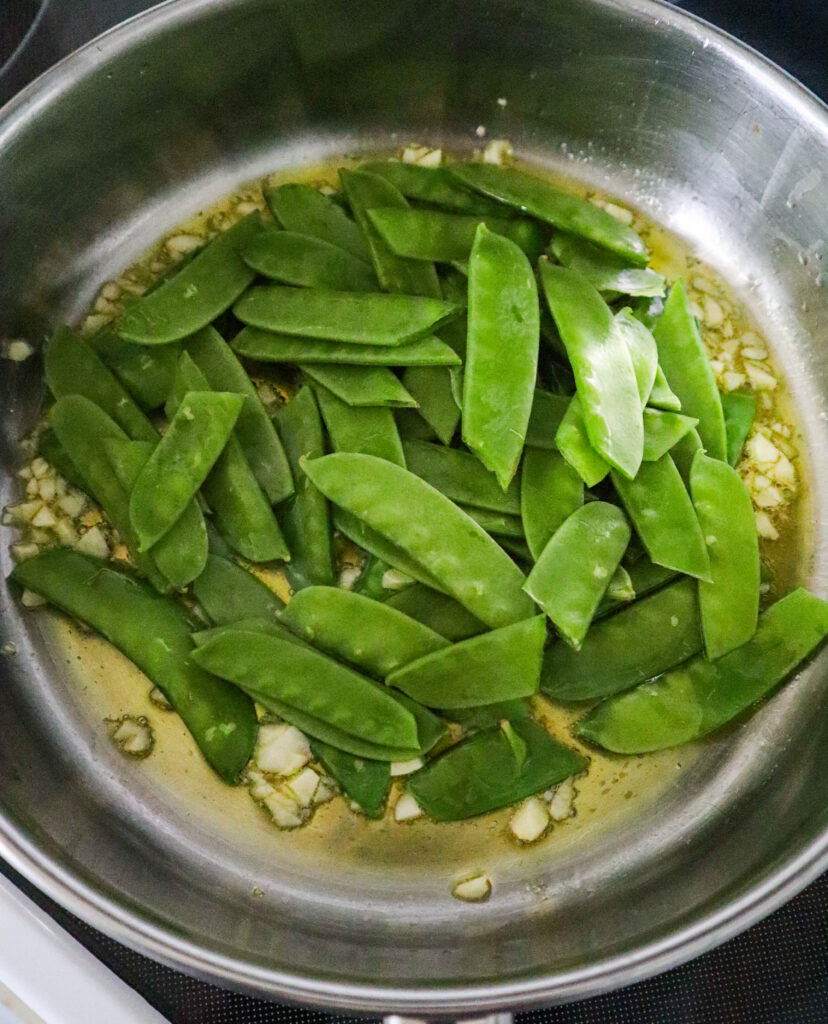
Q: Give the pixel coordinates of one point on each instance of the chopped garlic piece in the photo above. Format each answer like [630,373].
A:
[625,216]
[761,449]
[20,552]
[530,820]
[158,698]
[497,151]
[17,350]
[407,808]
[767,497]
[133,735]
[44,519]
[348,577]
[393,579]
[760,378]
[754,352]
[713,312]
[285,810]
[25,512]
[29,599]
[733,380]
[560,806]
[258,785]
[303,786]
[182,244]
[783,472]
[325,792]
[473,890]
[423,156]
[765,527]
[93,543]
[48,488]
[405,767]
[65,533]
[72,504]
[281,749]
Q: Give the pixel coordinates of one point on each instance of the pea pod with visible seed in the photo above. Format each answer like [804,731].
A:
[303,260]
[299,207]
[360,386]
[363,781]
[436,186]
[146,372]
[367,429]
[461,476]
[739,408]
[268,347]
[438,611]
[550,491]
[603,269]
[228,593]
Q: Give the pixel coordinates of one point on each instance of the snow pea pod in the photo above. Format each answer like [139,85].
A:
[642,348]
[50,449]
[310,682]
[360,386]
[73,368]
[438,611]
[267,347]
[197,294]
[564,211]
[309,262]
[481,773]
[573,443]
[461,476]
[603,367]
[363,781]
[305,516]
[147,373]
[604,269]
[574,569]
[663,515]
[683,358]
[730,601]
[154,633]
[394,273]
[700,696]
[548,410]
[371,635]
[739,408]
[367,429]
[550,491]
[433,185]
[499,524]
[380,547]
[663,430]
[642,640]
[301,208]
[369,318]
[228,593]
[503,314]
[433,390]
[502,664]
[428,527]
[620,588]
[254,429]
[181,461]
[662,395]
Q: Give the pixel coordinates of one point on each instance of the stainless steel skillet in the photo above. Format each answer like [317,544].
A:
[167,113]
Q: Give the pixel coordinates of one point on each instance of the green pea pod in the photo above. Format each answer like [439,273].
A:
[576,565]
[153,632]
[499,524]
[254,429]
[683,358]
[81,427]
[684,451]
[359,630]
[548,411]
[660,508]
[502,664]
[573,443]
[603,367]
[603,269]
[360,386]
[739,408]
[73,368]
[429,528]
[447,237]
[394,273]
[488,715]
[267,347]
[434,185]
[305,516]
[228,593]
[503,314]
[363,781]
[438,611]
[481,774]
[662,395]
[432,389]
[197,294]
[146,373]
[367,429]
[309,262]
[545,202]
[641,641]
[620,587]
[550,491]
[662,432]
[50,449]
[730,602]
[259,626]
[181,554]
[301,208]
[703,695]
[642,348]
[461,476]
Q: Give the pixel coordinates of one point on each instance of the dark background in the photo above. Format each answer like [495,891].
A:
[777,972]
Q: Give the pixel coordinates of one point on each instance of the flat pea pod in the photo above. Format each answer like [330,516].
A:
[498,392]
[684,360]
[691,701]
[432,387]
[574,569]
[366,633]
[550,491]
[254,429]
[180,462]
[362,318]
[642,348]
[660,508]
[663,430]
[305,209]
[461,476]
[147,373]
[448,237]
[360,386]
[153,632]
[81,427]
[305,516]
[487,715]
[50,449]
[363,781]
[228,593]
[438,611]
[73,368]
[662,395]
[428,527]
[181,554]
[481,774]
[730,601]
[433,185]
[310,682]
[545,202]
[739,408]
[502,664]
[371,430]
[197,294]
[268,347]
[548,410]
[641,641]
[603,368]
[309,262]
[394,273]
[499,524]
[620,588]
[380,547]
[604,269]
[573,443]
